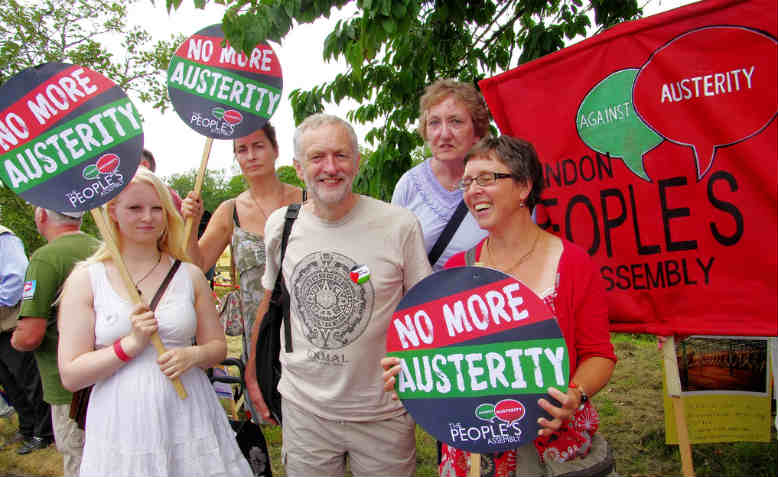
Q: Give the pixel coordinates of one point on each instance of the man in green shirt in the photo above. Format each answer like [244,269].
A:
[49,266]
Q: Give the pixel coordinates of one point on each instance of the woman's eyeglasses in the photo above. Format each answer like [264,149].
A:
[483,179]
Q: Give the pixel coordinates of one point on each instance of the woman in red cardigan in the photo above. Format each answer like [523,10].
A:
[502,183]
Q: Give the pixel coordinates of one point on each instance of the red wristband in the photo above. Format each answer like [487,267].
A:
[117,348]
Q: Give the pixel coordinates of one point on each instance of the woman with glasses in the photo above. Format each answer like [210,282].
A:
[452,117]
[241,222]
[502,183]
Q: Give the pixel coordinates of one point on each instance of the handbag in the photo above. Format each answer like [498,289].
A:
[231,313]
[80,400]
[598,462]
[268,347]
[248,434]
[231,306]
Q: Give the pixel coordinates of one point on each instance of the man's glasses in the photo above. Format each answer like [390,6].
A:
[483,179]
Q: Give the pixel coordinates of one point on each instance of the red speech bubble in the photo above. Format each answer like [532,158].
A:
[509,410]
[232,116]
[709,88]
[107,163]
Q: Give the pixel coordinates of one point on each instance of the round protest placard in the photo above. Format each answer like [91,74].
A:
[477,350]
[222,93]
[70,139]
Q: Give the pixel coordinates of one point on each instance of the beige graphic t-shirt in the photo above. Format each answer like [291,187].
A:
[339,319]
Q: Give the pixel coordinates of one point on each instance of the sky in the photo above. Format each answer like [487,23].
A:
[177,148]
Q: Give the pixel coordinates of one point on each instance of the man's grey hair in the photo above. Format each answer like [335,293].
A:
[62,218]
[316,121]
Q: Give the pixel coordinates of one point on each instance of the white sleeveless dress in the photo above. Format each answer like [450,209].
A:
[136,423]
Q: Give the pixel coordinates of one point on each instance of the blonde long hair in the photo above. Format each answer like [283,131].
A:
[172,239]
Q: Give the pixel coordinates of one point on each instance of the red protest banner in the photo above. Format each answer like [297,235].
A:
[658,140]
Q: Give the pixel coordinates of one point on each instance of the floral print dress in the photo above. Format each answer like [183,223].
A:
[248,252]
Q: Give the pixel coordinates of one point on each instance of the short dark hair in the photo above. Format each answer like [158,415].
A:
[517,155]
[149,157]
[270,133]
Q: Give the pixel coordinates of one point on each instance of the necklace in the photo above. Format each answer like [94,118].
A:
[520,260]
[159,259]
[256,202]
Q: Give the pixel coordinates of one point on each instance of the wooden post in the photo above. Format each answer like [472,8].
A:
[674,391]
[198,187]
[475,465]
[102,224]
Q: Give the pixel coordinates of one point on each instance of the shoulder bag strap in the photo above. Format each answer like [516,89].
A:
[470,256]
[448,233]
[235,218]
[164,284]
[280,294]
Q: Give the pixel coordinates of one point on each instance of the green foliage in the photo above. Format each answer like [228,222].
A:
[372,171]
[288,175]
[395,48]
[76,31]
[216,187]
[19,216]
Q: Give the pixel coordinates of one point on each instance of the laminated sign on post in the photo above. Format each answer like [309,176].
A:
[477,350]
[70,139]
[222,93]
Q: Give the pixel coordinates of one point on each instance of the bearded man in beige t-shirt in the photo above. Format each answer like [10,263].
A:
[333,404]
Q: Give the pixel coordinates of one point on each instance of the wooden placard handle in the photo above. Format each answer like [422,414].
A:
[102,224]
[673,381]
[198,186]
[475,465]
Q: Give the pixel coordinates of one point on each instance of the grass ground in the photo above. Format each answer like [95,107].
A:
[632,422]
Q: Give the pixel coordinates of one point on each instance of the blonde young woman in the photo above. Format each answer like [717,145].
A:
[241,221]
[136,423]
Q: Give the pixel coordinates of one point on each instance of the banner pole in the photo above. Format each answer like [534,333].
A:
[198,187]
[673,381]
[102,224]
[475,465]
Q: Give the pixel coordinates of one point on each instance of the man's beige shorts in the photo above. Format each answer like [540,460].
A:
[316,446]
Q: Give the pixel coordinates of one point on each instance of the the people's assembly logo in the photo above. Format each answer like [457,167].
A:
[103,178]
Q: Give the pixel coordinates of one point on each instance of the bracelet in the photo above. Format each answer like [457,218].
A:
[117,348]
[584,396]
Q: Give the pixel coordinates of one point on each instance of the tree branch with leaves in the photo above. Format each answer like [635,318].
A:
[395,48]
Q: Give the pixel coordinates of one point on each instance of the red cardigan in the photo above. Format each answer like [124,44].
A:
[581,309]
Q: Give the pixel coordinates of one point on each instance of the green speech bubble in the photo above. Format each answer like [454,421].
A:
[90,172]
[485,412]
[607,122]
